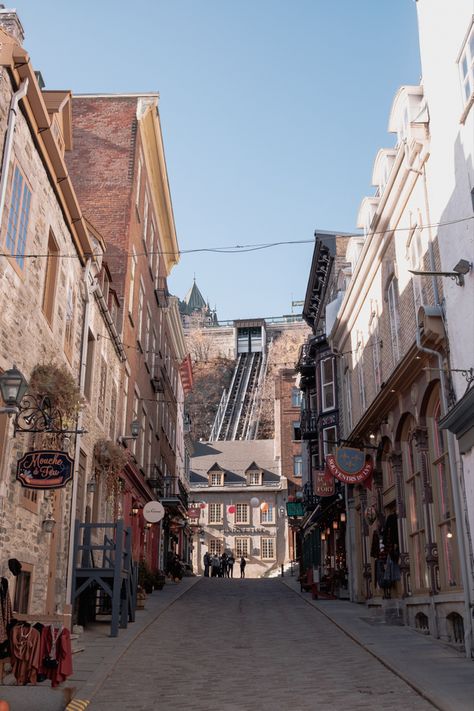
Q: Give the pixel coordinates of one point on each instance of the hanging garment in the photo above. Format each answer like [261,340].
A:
[25,653]
[56,659]
[392,572]
[5,618]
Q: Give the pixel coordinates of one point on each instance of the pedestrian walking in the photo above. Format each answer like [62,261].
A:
[243,563]
[230,566]
[207,563]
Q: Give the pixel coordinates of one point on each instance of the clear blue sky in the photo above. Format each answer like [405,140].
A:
[272,114]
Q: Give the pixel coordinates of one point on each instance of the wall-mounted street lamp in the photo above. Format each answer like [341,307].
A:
[91,486]
[13,387]
[48,524]
[33,413]
[135,510]
[460,270]
[134,432]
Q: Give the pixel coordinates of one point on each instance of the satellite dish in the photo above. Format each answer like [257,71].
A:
[153,511]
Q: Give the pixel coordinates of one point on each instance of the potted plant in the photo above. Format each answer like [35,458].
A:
[146,578]
[141,597]
[159,580]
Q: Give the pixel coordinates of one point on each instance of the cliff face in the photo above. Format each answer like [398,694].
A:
[213,373]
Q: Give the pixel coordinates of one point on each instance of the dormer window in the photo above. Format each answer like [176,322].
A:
[216,476]
[254,475]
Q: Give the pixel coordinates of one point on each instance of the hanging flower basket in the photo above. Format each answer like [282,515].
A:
[56,383]
[110,460]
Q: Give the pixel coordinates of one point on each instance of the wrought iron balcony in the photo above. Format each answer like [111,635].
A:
[309,425]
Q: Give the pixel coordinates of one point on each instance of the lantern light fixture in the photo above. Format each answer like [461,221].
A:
[48,524]
[135,510]
[13,387]
[343,516]
[91,486]
[134,432]
[335,525]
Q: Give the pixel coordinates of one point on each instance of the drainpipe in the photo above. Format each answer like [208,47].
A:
[7,150]
[458,508]
[77,446]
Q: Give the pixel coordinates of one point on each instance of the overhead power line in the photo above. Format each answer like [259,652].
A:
[231,249]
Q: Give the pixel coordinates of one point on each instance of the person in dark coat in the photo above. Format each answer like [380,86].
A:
[207,563]
[243,563]
[230,566]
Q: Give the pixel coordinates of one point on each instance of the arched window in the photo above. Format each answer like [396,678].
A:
[446,522]
[415,514]
[394,317]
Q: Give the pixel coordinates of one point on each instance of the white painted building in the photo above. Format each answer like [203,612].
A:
[237,488]
[447,57]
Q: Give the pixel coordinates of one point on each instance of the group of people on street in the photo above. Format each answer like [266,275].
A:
[222,566]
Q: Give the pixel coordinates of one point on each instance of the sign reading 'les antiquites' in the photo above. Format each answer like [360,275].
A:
[44,469]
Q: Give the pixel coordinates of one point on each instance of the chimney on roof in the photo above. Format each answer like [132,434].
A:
[10,22]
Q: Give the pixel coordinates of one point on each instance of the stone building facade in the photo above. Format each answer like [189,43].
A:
[50,265]
[239,497]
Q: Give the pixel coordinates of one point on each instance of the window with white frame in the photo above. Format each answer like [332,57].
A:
[415,258]
[18,218]
[131,291]
[242,547]
[216,546]
[328,395]
[296,395]
[254,478]
[376,356]
[297,465]
[267,515]
[147,335]
[145,218]
[267,548]
[394,317]
[360,377]
[348,397]
[139,183]
[329,440]
[241,513]
[215,513]
[216,478]
[102,390]
[141,299]
[466,66]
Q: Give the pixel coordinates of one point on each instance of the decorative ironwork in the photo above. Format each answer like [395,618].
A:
[37,414]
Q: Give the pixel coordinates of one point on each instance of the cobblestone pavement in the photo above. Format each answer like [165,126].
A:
[240,645]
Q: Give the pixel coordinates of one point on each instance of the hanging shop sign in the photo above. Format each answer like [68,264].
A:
[351,466]
[44,469]
[194,513]
[153,511]
[324,485]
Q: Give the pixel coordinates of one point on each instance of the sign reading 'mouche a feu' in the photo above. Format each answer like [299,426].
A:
[44,469]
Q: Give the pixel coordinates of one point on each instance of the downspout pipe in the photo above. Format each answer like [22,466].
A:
[458,508]
[7,149]
[77,446]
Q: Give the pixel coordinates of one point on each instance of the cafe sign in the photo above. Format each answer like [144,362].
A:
[351,466]
[44,469]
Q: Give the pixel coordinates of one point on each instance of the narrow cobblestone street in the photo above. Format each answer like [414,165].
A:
[238,645]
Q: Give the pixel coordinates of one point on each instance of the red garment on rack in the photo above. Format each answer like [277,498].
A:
[25,653]
[63,656]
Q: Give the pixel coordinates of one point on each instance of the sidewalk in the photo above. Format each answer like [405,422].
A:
[435,670]
[92,666]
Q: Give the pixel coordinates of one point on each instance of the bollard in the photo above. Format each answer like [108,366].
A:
[282,571]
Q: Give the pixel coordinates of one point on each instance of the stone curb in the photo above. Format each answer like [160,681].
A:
[435,701]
